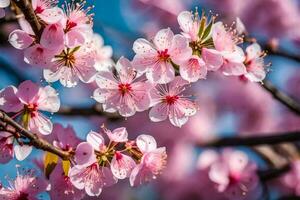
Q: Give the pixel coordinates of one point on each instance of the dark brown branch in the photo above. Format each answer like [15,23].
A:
[11,126]
[95,110]
[270,174]
[282,97]
[278,52]
[255,140]
[26,7]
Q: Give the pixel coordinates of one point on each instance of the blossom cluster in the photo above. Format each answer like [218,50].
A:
[66,49]
[156,79]
[160,71]
[97,164]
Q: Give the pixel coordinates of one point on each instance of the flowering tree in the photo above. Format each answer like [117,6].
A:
[59,41]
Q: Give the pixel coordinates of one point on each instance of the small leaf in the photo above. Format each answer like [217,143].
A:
[207,31]
[26,119]
[50,161]
[202,26]
[66,164]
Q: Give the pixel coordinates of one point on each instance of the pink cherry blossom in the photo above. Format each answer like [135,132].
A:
[72,65]
[53,37]
[25,186]
[77,24]
[254,63]
[6,147]
[87,174]
[103,55]
[193,69]
[152,162]
[39,56]
[117,135]
[20,39]
[28,100]
[232,172]
[189,24]
[123,92]
[233,56]
[47,10]
[122,165]
[157,58]
[168,101]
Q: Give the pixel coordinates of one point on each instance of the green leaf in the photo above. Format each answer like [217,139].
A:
[25,119]
[66,164]
[50,162]
[202,26]
[207,31]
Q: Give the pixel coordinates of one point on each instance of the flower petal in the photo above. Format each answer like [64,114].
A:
[146,143]
[22,152]
[84,154]
[121,165]
[48,99]
[212,58]
[118,135]
[9,102]
[27,91]
[53,37]
[96,140]
[163,39]
[159,112]
[20,39]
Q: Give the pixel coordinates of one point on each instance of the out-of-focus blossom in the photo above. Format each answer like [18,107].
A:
[61,186]
[152,162]
[3,4]
[290,182]
[168,102]
[123,92]
[273,18]
[233,174]
[25,186]
[6,147]
[157,58]
[64,138]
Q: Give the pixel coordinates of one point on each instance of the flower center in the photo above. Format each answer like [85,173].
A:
[163,55]
[124,88]
[39,10]
[170,100]
[23,196]
[234,179]
[70,25]
[118,155]
[31,109]
[67,57]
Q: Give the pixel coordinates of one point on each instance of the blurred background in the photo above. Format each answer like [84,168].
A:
[228,106]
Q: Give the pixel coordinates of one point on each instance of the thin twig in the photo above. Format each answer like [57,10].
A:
[11,126]
[255,140]
[282,97]
[95,110]
[270,174]
[26,7]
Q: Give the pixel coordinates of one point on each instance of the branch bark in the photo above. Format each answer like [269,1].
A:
[282,97]
[94,110]
[255,140]
[26,7]
[9,125]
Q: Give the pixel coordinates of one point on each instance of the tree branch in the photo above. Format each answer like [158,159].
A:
[282,97]
[255,140]
[26,7]
[270,174]
[95,110]
[9,125]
